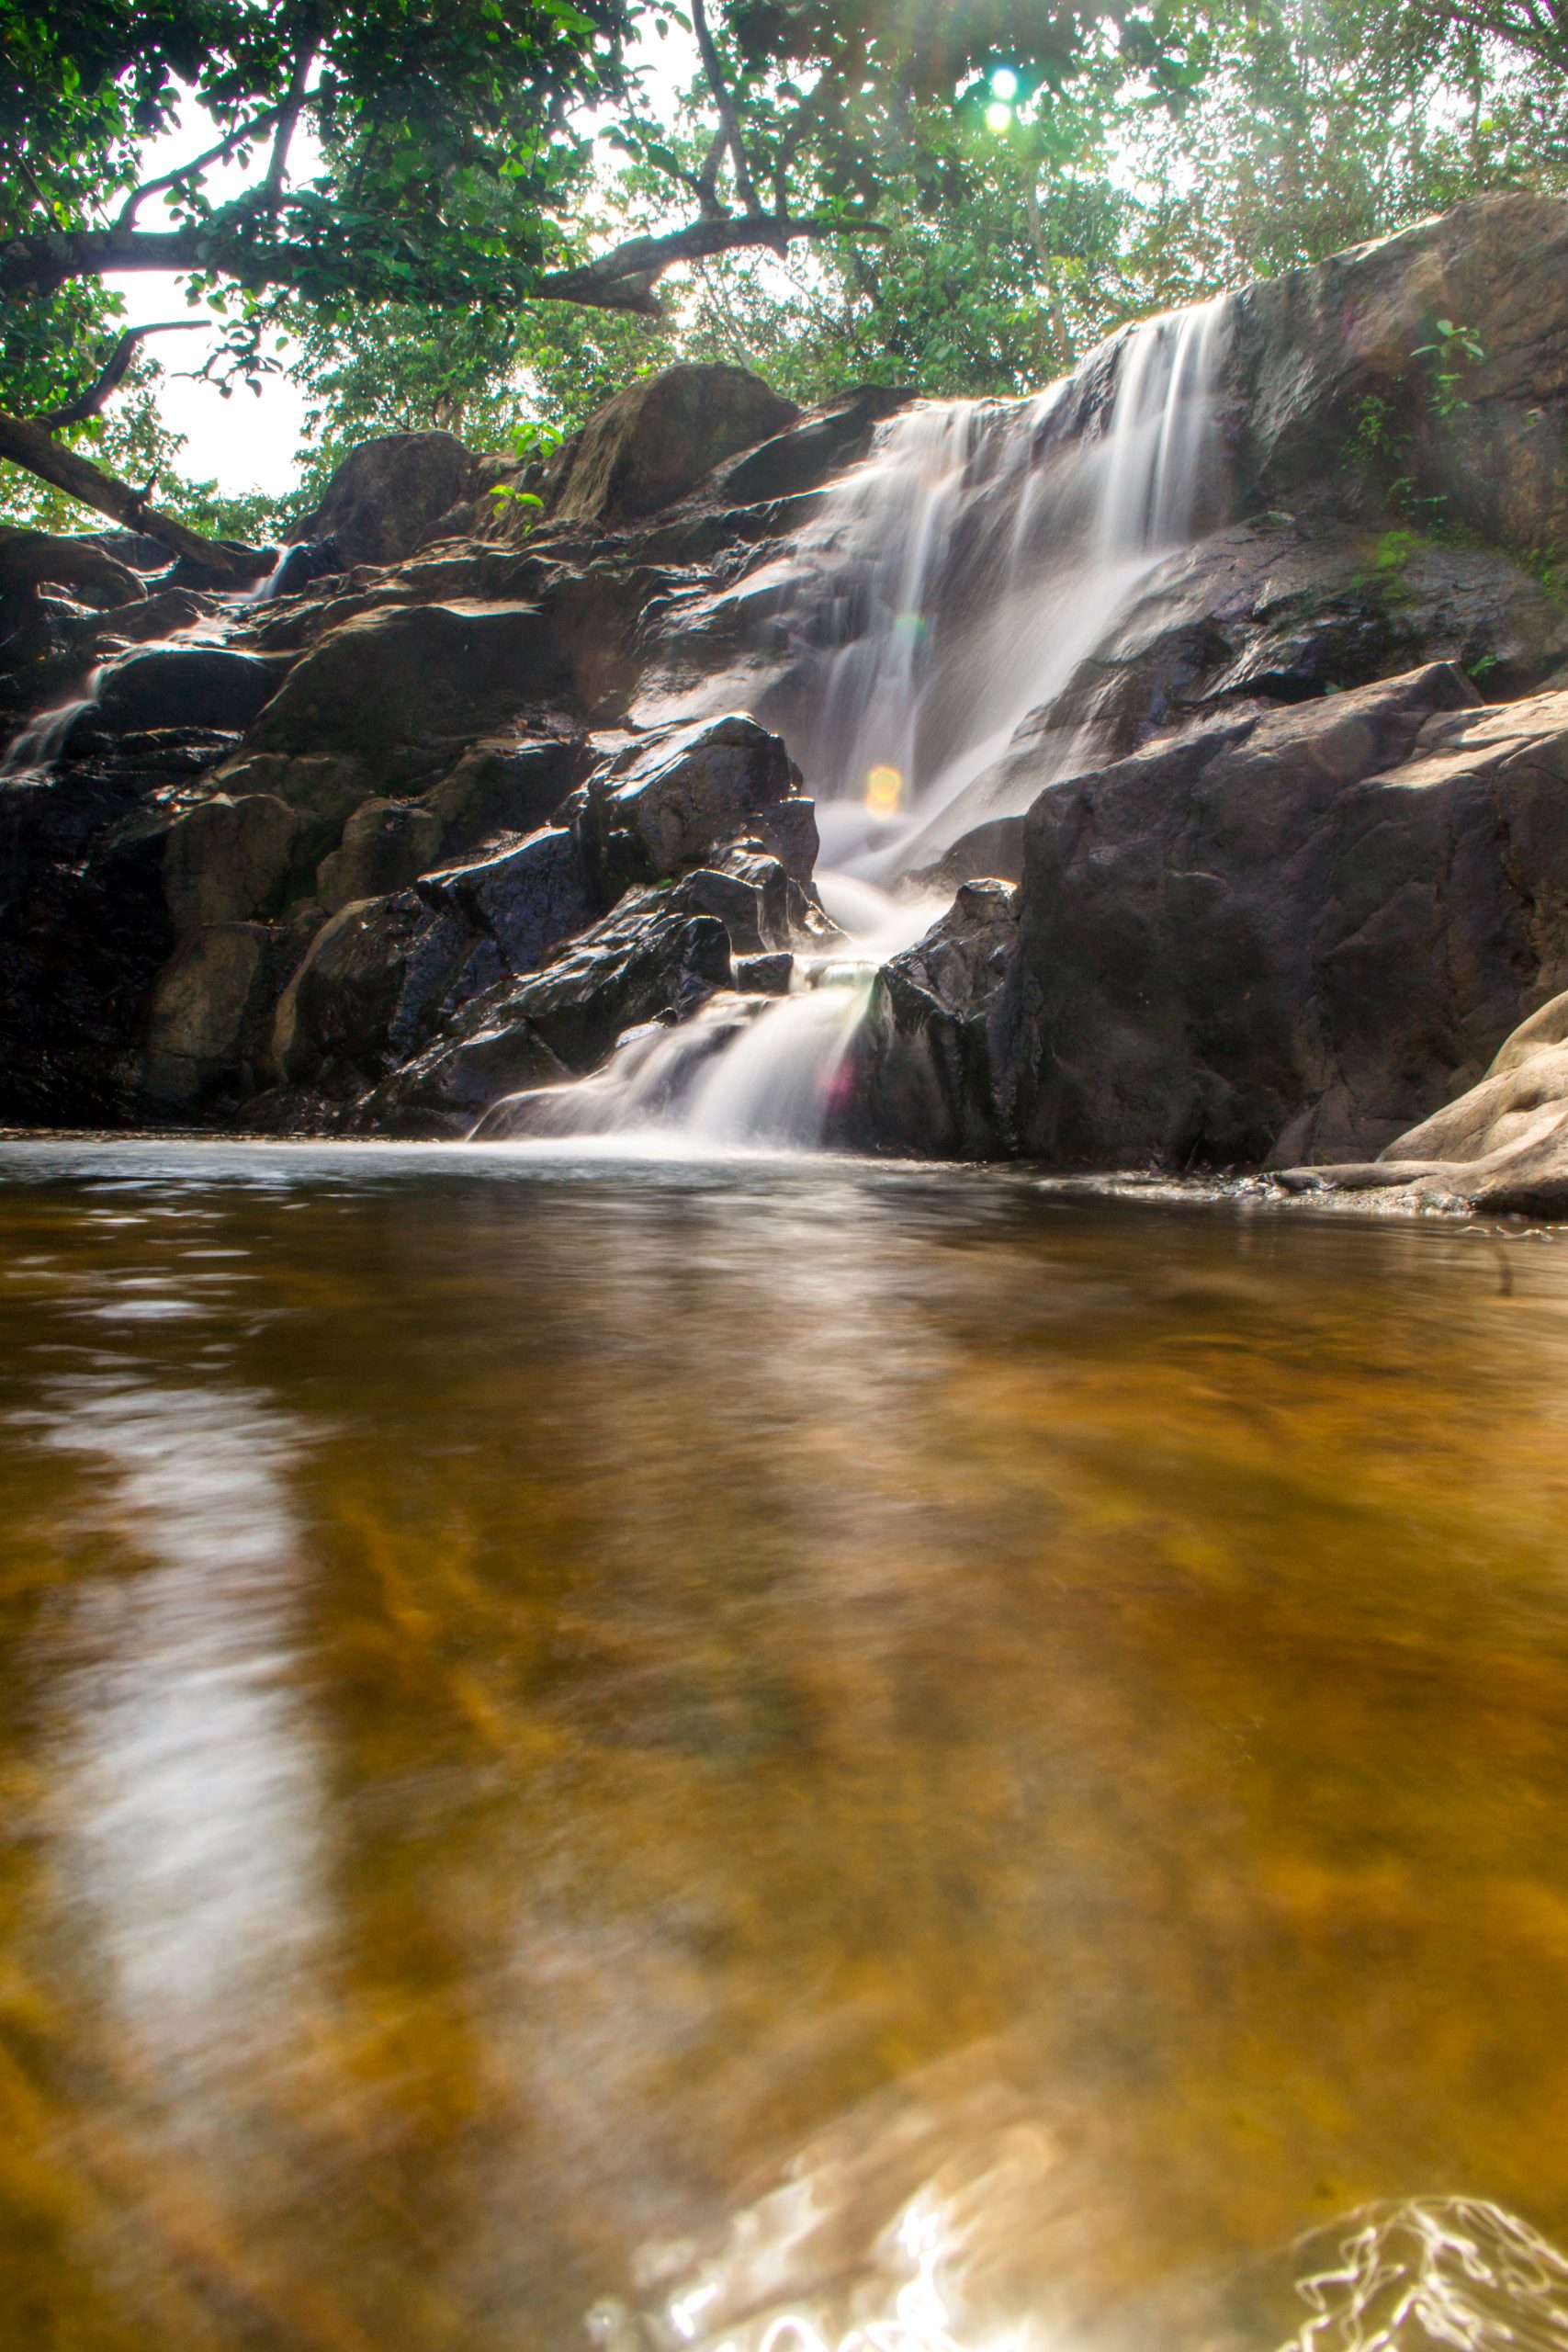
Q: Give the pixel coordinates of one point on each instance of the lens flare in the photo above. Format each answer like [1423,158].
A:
[1004,83]
[883,791]
[998,117]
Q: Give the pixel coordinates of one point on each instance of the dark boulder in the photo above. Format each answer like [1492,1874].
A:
[506,785]
[30,560]
[644,962]
[667,800]
[814,446]
[386,845]
[186,685]
[381,502]
[655,441]
[526,898]
[403,688]
[935,1035]
[377,983]
[206,1015]
[227,861]
[1283,934]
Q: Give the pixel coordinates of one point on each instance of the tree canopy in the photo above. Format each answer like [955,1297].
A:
[462,210]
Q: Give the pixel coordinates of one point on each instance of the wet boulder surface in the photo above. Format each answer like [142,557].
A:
[1282,934]
[482,786]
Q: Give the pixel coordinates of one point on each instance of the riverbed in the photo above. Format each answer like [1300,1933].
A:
[772,1754]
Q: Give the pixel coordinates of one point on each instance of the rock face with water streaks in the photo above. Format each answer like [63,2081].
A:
[1277,935]
[1266,875]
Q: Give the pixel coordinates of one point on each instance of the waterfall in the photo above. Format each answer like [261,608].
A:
[745,1073]
[948,590]
[37,745]
[956,581]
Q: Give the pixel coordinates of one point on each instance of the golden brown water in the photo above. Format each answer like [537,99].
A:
[741,1754]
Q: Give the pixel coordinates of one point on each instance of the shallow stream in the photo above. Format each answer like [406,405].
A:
[731,1755]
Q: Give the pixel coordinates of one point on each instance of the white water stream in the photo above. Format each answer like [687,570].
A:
[955,582]
[950,587]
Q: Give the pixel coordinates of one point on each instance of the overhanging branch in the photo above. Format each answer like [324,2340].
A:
[623,278]
[224,149]
[87,403]
[30,446]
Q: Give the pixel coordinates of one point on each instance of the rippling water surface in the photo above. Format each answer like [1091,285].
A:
[771,1757]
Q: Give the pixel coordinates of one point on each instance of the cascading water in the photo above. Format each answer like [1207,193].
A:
[950,587]
[37,745]
[744,1072]
[34,749]
[955,582]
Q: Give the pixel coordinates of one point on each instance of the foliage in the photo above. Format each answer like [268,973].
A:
[1041,170]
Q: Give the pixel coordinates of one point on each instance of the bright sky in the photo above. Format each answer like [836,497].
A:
[245,442]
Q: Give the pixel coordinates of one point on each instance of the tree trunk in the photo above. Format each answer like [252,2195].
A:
[29,446]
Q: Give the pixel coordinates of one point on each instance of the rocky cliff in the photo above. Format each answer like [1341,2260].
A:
[1268,881]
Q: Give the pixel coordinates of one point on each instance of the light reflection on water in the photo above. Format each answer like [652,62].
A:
[772,1758]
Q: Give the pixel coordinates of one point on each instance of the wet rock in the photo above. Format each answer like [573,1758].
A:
[323,792]
[403,689]
[303,565]
[505,786]
[525,898]
[667,801]
[993,851]
[186,685]
[386,845]
[814,446]
[85,929]
[383,499]
[764,975]
[1258,610]
[641,963]
[748,891]
[227,860]
[937,1031]
[655,441]
[205,1012]
[637,964]
[30,559]
[158,615]
[1286,934]
[377,979]
[445,1091]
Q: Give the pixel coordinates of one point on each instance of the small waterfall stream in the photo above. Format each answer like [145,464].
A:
[948,591]
[956,581]
[746,1073]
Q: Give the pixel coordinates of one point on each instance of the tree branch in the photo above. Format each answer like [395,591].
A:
[705,184]
[87,403]
[623,278]
[29,446]
[126,216]
[618,280]
[725,105]
[288,120]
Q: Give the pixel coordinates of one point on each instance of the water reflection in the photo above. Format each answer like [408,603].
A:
[767,1756]
[182,1760]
